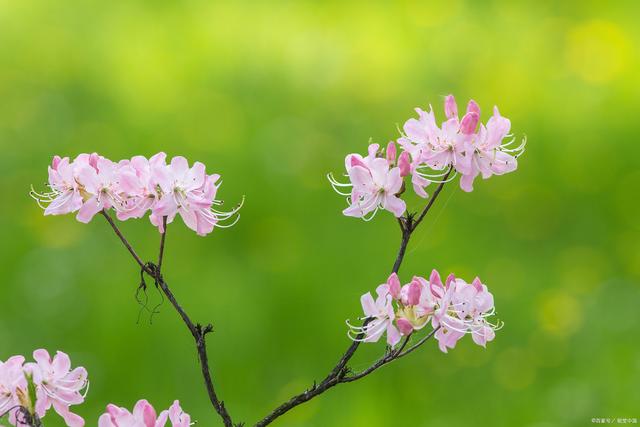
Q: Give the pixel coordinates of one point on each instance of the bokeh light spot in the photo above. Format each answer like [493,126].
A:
[597,51]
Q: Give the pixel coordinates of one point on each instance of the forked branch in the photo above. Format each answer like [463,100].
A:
[340,373]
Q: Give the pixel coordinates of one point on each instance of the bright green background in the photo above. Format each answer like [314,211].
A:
[272,96]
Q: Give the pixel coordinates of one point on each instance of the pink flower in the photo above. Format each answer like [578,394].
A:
[11,379]
[381,314]
[134,187]
[488,155]
[144,416]
[138,181]
[440,147]
[64,195]
[454,308]
[99,185]
[416,306]
[191,193]
[375,185]
[57,385]
[462,309]
[177,416]
[465,144]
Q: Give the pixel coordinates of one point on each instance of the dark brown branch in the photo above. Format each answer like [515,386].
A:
[198,331]
[162,239]
[387,358]
[340,373]
[341,376]
[406,227]
[419,343]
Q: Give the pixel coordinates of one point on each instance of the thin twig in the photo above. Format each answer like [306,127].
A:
[198,331]
[388,358]
[340,373]
[162,239]
[419,343]
[406,228]
[126,242]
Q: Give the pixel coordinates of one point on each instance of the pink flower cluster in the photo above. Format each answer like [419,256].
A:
[455,308]
[144,415]
[56,385]
[429,153]
[91,183]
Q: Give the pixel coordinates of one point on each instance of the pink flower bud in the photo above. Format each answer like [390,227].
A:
[404,326]
[477,284]
[473,107]
[404,164]
[469,123]
[391,152]
[450,107]
[413,295]
[394,285]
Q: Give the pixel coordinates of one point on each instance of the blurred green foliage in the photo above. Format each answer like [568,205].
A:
[272,95]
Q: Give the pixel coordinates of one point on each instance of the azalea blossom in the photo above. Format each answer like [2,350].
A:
[138,181]
[63,196]
[132,188]
[488,155]
[380,314]
[454,309]
[415,306]
[57,385]
[462,144]
[375,183]
[177,416]
[430,152]
[463,308]
[12,379]
[99,185]
[190,192]
[144,415]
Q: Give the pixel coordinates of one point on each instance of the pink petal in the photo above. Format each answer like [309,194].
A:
[466,182]
[368,305]
[88,210]
[393,182]
[61,363]
[473,107]
[105,421]
[361,178]
[394,205]
[71,419]
[393,335]
[179,165]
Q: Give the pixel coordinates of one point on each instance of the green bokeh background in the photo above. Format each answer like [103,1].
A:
[272,96]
